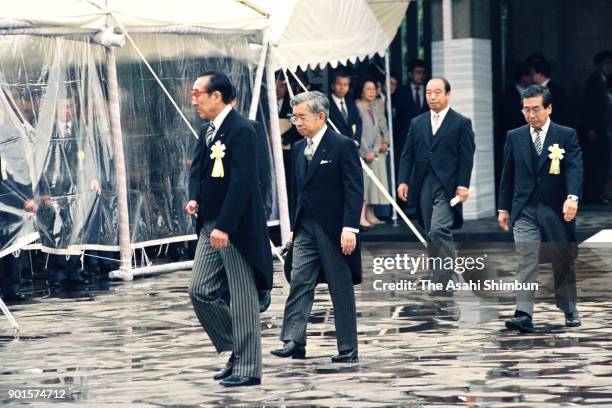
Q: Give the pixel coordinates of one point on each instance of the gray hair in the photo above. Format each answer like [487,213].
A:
[315,100]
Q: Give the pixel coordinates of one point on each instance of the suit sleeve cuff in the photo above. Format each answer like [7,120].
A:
[349,229]
[572,197]
[502,211]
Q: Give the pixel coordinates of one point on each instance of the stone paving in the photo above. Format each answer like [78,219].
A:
[139,344]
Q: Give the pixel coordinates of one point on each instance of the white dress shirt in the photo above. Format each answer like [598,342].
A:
[219,120]
[441,116]
[337,102]
[315,141]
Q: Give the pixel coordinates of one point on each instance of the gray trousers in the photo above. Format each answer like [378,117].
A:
[235,327]
[528,241]
[438,219]
[313,249]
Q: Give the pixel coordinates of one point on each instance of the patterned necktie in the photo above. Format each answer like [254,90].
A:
[309,150]
[417,100]
[537,143]
[343,110]
[209,134]
[436,123]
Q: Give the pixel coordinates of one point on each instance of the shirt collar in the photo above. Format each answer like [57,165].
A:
[544,128]
[442,114]
[545,83]
[338,100]
[317,138]
[221,116]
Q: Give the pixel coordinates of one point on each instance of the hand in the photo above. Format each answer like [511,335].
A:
[502,219]
[30,205]
[95,185]
[371,156]
[383,148]
[570,207]
[348,242]
[463,194]
[191,207]
[402,192]
[218,239]
[290,239]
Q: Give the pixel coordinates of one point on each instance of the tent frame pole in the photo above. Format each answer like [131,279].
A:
[389,108]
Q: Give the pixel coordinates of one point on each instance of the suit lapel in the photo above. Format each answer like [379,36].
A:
[300,165]
[320,154]
[551,138]
[450,116]
[525,144]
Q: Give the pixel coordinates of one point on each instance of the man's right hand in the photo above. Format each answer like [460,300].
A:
[502,219]
[370,157]
[402,192]
[191,207]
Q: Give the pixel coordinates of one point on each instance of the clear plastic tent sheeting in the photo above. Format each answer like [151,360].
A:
[64,152]
[17,207]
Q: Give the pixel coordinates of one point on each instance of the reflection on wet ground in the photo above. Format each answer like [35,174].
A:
[139,343]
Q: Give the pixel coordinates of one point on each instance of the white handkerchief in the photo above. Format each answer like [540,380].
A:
[325,161]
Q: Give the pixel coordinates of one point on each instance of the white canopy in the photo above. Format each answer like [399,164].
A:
[313,33]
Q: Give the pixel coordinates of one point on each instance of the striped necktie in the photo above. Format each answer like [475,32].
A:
[537,143]
[309,150]
[209,134]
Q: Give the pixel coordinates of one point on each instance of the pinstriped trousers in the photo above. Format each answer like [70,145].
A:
[312,249]
[235,327]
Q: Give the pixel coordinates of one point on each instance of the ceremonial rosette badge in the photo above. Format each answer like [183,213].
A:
[218,153]
[556,155]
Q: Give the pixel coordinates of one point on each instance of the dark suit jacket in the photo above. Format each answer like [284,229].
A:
[521,178]
[331,192]
[449,154]
[233,201]
[354,120]
[561,109]
[405,110]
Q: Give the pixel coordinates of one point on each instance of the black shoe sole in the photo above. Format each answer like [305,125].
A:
[296,356]
[573,324]
[248,384]
[517,327]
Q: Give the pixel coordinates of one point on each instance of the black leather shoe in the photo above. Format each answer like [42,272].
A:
[520,323]
[350,356]
[227,370]
[290,349]
[240,381]
[572,319]
[264,300]
[13,298]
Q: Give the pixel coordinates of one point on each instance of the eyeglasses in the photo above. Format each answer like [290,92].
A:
[535,109]
[294,119]
[196,94]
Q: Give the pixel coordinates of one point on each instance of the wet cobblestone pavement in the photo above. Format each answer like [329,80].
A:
[139,344]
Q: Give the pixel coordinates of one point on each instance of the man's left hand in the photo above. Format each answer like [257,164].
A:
[463,194]
[218,239]
[348,242]
[570,208]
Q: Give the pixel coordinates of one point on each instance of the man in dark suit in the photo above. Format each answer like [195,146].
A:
[538,198]
[594,131]
[562,113]
[325,210]
[440,148]
[342,110]
[233,256]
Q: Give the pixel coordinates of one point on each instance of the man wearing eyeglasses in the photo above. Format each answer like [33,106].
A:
[541,183]
[233,256]
[325,209]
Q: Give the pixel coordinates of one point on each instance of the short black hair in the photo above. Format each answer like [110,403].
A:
[601,56]
[447,85]
[537,90]
[542,67]
[340,74]
[220,82]
[417,63]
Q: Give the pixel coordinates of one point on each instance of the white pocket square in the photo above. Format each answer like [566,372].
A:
[325,161]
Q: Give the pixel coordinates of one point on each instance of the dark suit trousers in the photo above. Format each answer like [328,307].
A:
[235,327]
[528,242]
[438,218]
[313,249]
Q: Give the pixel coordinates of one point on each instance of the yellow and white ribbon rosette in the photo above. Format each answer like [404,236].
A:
[556,155]
[218,153]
